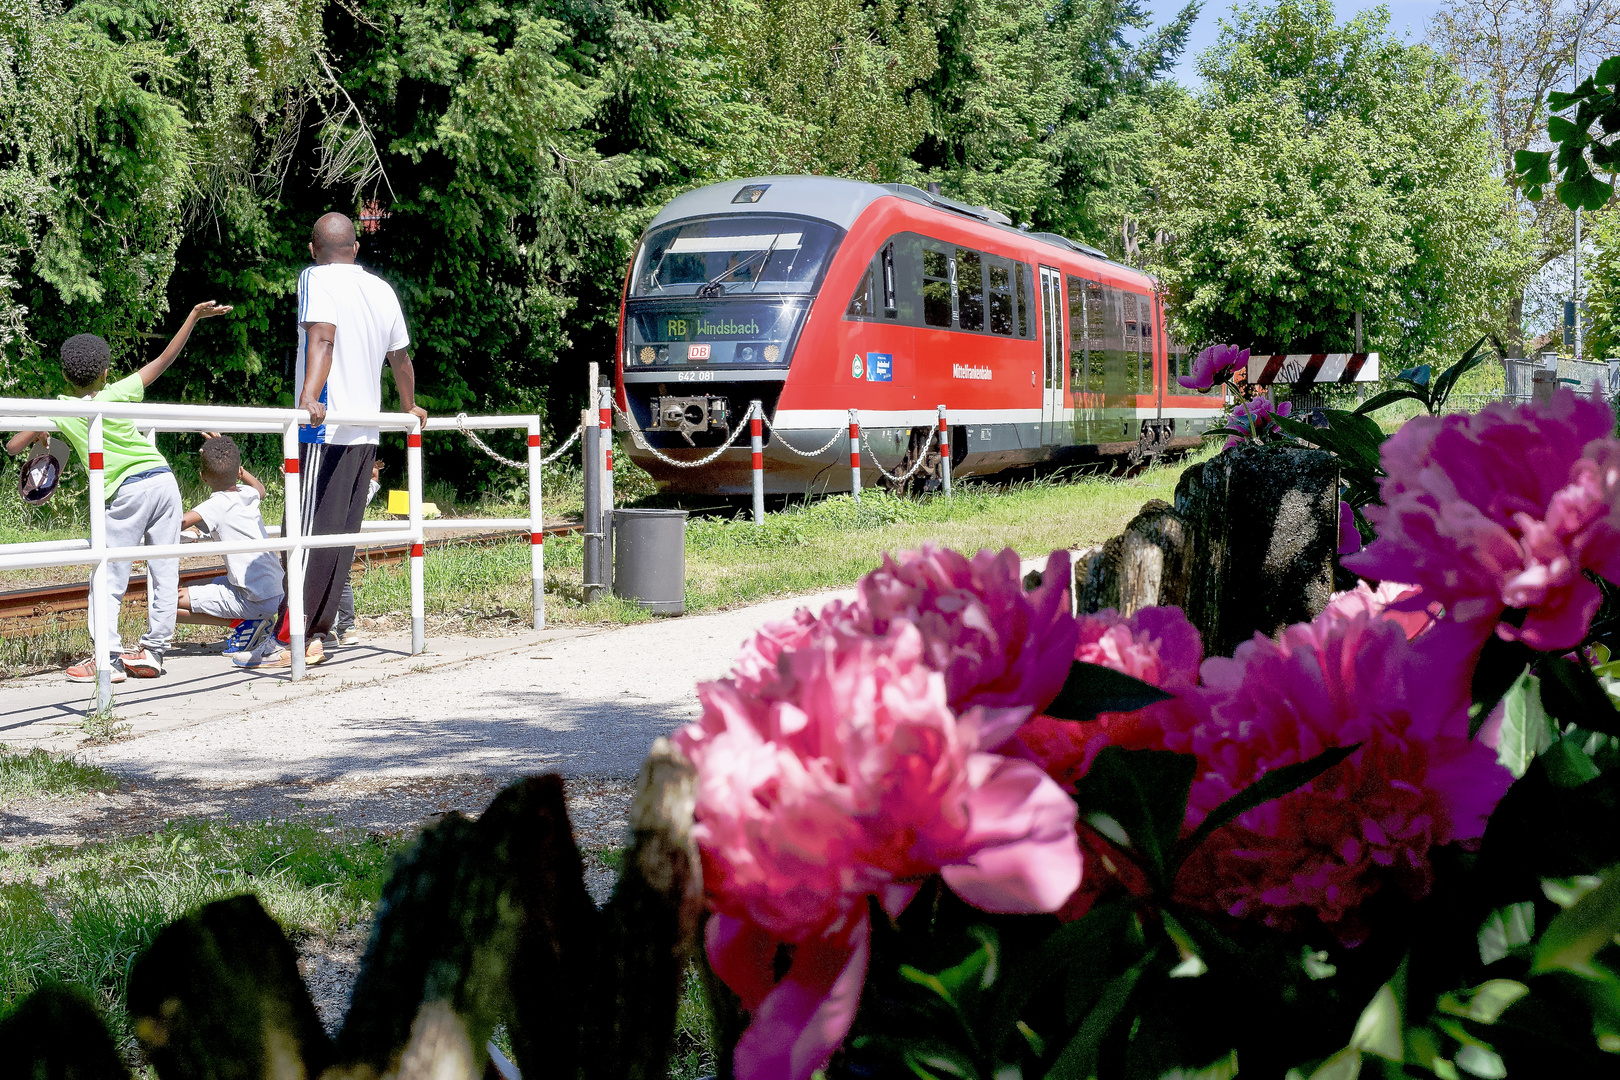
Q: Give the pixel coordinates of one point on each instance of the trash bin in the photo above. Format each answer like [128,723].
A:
[649,559]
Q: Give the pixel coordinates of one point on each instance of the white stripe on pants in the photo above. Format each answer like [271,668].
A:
[145,512]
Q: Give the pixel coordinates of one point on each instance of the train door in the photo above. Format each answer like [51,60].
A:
[1054,357]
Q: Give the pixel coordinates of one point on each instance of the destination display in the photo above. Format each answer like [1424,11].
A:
[728,332]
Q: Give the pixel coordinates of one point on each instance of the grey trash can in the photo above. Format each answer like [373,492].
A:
[649,559]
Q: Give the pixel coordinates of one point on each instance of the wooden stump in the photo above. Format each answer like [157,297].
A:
[1145,566]
[1263,525]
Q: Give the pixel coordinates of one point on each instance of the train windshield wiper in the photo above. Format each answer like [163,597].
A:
[709,290]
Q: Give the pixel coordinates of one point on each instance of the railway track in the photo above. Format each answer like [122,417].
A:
[25,611]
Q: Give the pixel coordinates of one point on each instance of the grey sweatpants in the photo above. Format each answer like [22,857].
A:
[145,512]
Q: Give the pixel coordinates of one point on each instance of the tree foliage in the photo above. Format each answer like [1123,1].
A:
[1328,169]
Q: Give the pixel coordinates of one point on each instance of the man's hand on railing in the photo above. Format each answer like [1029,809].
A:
[418,412]
[317,411]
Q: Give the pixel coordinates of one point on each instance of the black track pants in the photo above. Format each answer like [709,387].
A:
[336,481]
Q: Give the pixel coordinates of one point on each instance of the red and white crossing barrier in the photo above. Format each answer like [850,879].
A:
[855,453]
[1312,368]
[756,441]
[944,450]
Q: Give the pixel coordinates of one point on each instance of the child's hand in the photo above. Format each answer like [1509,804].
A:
[241,472]
[208,309]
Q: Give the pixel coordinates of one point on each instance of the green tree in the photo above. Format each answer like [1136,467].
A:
[1328,169]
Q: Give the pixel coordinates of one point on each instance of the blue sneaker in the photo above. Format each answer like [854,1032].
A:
[245,634]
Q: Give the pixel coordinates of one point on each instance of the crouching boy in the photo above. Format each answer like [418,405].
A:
[143,500]
[248,595]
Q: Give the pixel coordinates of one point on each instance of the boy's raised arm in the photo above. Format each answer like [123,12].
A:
[250,480]
[21,441]
[205,310]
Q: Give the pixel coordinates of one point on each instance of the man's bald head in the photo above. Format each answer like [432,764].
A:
[333,239]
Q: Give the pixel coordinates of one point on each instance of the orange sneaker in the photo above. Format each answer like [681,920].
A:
[143,664]
[85,671]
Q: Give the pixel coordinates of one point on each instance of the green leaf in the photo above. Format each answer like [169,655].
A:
[1526,728]
[1073,950]
[1608,72]
[1345,1065]
[1483,1063]
[1145,791]
[1568,765]
[1560,130]
[1388,397]
[1499,667]
[1506,930]
[1092,689]
[1573,695]
[1358,436]
[1567,892]
[1585,192]
[1274,784]
[1577,933]
[1447,381]
[1079,1058]
[1486,1002]
[1378,1030]
[1533,166]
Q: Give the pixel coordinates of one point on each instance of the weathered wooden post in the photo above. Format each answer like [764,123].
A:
[1145,566]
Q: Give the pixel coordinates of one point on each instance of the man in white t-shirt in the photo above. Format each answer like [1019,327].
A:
[349,323]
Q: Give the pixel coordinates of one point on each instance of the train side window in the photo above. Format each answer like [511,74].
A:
[969,290]
[1148,317]
[890,305]
[1079,340]
[1096,319]
[1001,299]
[936,288]
[863,304]
[1021,272]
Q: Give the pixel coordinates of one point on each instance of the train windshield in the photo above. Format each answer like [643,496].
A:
[743,254]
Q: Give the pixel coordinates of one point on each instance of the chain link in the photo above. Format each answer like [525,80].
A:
[641,442]
[915,465]
[839,434]
[461,425]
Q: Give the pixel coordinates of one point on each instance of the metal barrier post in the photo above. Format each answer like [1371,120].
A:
[756,441]
[855,453]
[945,450]
[413,467]
[537,537]
[292,495]
[589,458]
[605,413]
[99,630]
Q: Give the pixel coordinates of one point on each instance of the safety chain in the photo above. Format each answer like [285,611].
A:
[915,465]
[777,435]
[641,442]
[461,424]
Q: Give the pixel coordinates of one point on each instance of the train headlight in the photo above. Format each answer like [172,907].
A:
[772,354]
[648,354]
[745,354]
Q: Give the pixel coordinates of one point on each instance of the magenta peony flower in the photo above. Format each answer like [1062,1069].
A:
[1349,535]
[1213,365]
[836,765]
[1390,600]
[1504,509]
[1257,418]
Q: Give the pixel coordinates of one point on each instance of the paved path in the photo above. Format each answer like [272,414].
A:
[585,703]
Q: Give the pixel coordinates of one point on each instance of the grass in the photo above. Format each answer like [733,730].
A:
[81,915]
[37,774]
[824,544]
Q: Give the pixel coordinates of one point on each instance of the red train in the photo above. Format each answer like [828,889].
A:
[816,296]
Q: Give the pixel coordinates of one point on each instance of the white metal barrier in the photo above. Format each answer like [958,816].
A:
[37,414]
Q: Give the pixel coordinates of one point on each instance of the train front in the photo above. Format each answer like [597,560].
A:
[713,309]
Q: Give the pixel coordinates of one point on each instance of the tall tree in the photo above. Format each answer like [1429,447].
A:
[1328,169]
[1516,52]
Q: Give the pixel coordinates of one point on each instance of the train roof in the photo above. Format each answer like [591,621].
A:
[841,201]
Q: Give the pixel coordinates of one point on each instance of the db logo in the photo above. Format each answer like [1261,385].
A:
[697,352]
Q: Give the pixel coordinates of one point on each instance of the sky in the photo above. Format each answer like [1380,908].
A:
[1407,18]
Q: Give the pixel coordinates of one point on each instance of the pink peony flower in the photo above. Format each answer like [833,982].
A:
[1390,600]
[1213,365]
[1257,417]
[1504,509]
[837,765]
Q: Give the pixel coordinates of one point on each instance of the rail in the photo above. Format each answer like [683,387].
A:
[37,414]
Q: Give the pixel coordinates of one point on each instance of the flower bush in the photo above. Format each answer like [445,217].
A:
[950,829]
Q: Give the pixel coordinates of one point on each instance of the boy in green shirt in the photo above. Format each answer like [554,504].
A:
[143,500]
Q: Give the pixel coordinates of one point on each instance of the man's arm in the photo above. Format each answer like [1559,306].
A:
[317,366]
[23,439]
[405,382]
[250,480]
[205,310]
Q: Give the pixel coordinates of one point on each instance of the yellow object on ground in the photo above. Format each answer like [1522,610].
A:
[399,502]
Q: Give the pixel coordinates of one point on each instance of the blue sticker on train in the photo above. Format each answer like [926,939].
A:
[879,367]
